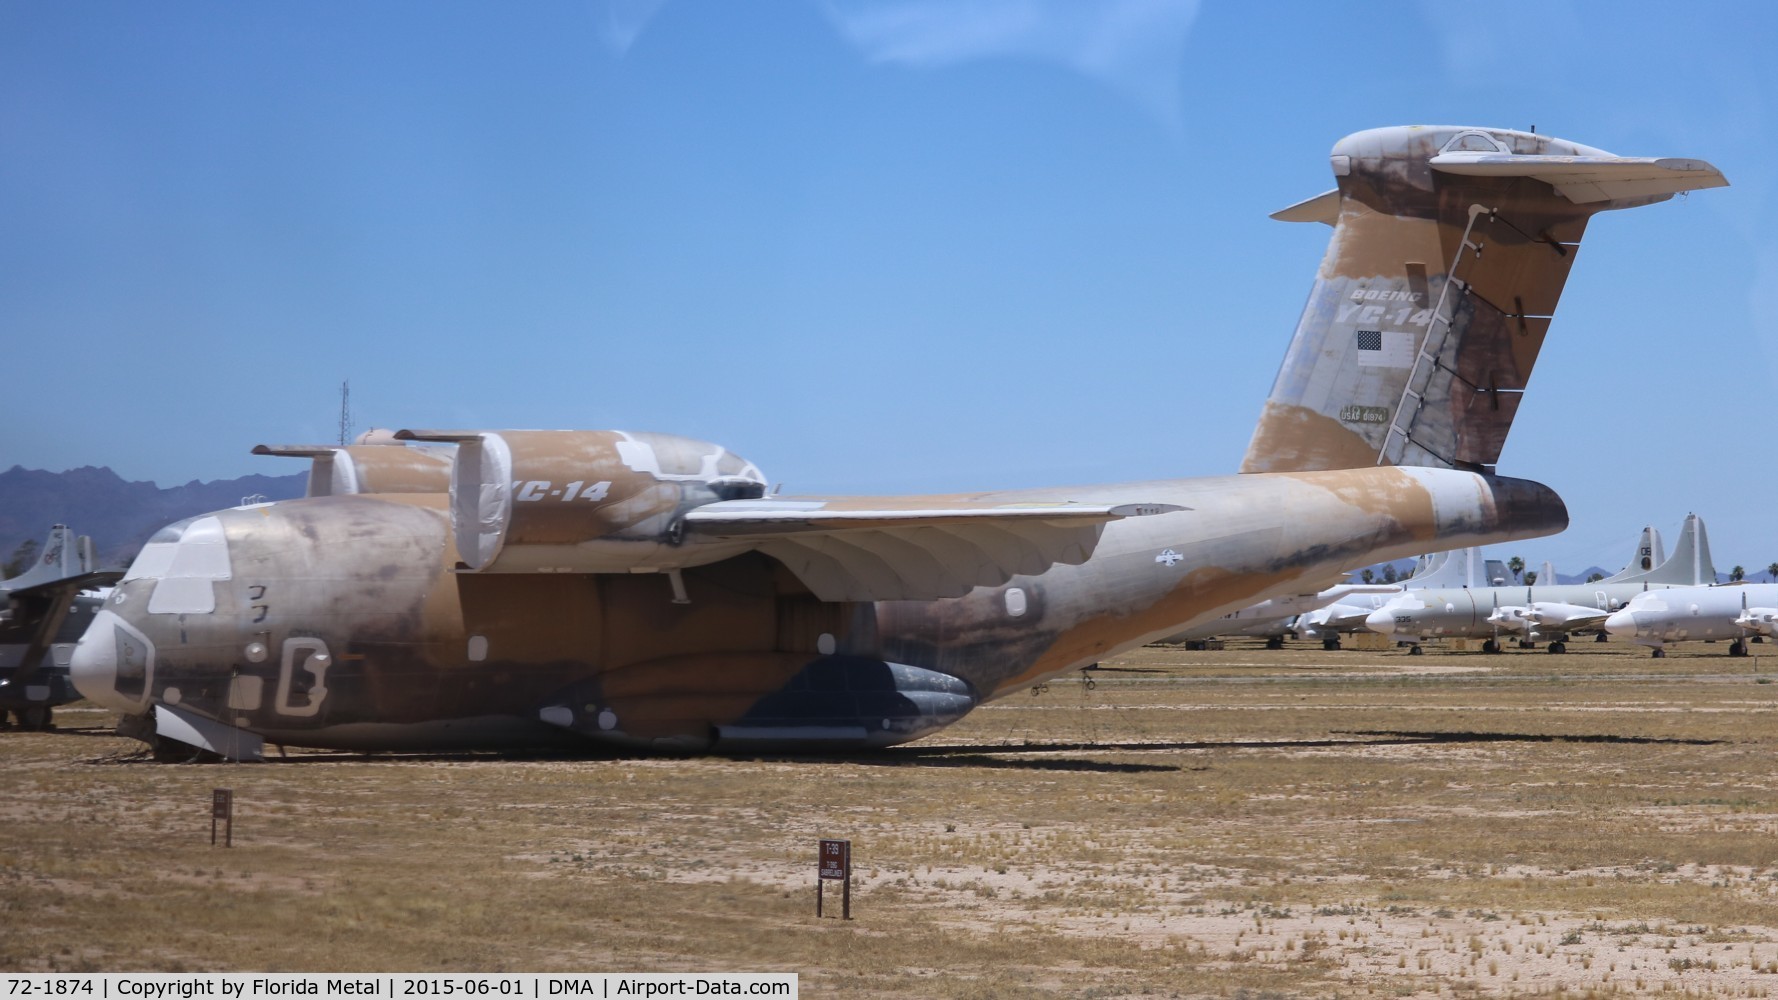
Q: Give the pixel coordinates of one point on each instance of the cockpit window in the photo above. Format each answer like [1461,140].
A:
[184,558]
[1473,142]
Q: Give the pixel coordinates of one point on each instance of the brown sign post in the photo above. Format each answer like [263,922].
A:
[222,807]
[835,863]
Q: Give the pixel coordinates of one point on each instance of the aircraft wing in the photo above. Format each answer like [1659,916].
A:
[1583,179]
[913,547]
[71,584]
[34,613]
[1568,617]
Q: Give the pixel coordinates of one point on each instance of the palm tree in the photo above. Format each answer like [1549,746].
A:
[1517,565]
[1737,574]
[1368,576]
[1531,579]
[1596,577]
[1389,573]
[1772,572]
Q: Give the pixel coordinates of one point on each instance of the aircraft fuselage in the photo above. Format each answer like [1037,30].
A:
[346,622]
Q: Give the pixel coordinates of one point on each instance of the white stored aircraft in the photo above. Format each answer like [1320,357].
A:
[1735,612]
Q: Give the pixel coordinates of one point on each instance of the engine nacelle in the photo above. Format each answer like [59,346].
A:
[369,468]
[585,501]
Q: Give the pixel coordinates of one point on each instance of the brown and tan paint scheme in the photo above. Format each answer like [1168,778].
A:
[640,591]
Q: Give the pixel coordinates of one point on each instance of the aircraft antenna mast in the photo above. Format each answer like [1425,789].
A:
[345,412]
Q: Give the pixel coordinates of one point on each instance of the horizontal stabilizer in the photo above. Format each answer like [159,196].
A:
[1585,179]
[911,548]
[1323,208]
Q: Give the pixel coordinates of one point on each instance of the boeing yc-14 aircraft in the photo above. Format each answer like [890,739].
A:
[641,591]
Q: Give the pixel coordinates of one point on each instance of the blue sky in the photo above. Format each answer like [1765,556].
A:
[873,245]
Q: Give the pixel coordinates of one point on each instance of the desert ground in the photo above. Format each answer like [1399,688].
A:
[1232,823]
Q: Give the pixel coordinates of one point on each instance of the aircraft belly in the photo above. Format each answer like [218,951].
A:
[472,732]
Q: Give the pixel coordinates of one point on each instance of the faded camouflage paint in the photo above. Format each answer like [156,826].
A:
[369,468]
[400,625]
[1400,227]
[377,621]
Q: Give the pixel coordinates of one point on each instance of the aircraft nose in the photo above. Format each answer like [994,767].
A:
[110,664]
[1621,623]
[1382,620]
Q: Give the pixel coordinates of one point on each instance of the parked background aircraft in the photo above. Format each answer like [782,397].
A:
[43,617]
[640,590]
[1338,609]
[1538,612]
[1460,569]
[1693,614]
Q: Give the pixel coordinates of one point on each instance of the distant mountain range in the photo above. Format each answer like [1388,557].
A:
[119,515]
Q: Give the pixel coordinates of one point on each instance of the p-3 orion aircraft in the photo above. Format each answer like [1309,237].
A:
[641,591]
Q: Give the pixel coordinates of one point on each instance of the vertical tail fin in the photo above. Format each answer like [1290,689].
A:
[1450,249]
[1650,553]
[1690,564]
[62,556]
[1459,569]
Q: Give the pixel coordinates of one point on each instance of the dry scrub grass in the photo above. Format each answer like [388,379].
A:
[1233,823]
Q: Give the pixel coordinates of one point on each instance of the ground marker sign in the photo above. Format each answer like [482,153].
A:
[222,807]
[835,863]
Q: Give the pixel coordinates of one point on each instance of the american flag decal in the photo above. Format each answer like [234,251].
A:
[1370,340]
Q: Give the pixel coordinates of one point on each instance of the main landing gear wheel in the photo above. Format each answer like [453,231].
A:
[1660,654]
[1274,642]
[1737,648]
[1331,643]
[1490,646]
[33,717]
[1558,647]
[1601,637]
[1415,650]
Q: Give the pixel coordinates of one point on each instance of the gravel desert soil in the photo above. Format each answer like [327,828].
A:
[1240,822]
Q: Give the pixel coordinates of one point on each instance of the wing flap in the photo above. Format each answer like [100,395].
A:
[911,548]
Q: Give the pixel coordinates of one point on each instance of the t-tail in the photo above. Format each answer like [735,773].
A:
[1450,249]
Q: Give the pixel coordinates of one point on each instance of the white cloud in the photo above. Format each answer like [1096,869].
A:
[621,21]
[1135,47]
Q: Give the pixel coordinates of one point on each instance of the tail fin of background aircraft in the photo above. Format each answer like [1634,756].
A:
[1450,248]
[62,556]
[1650,553]
[1689,565]
[1457,570]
